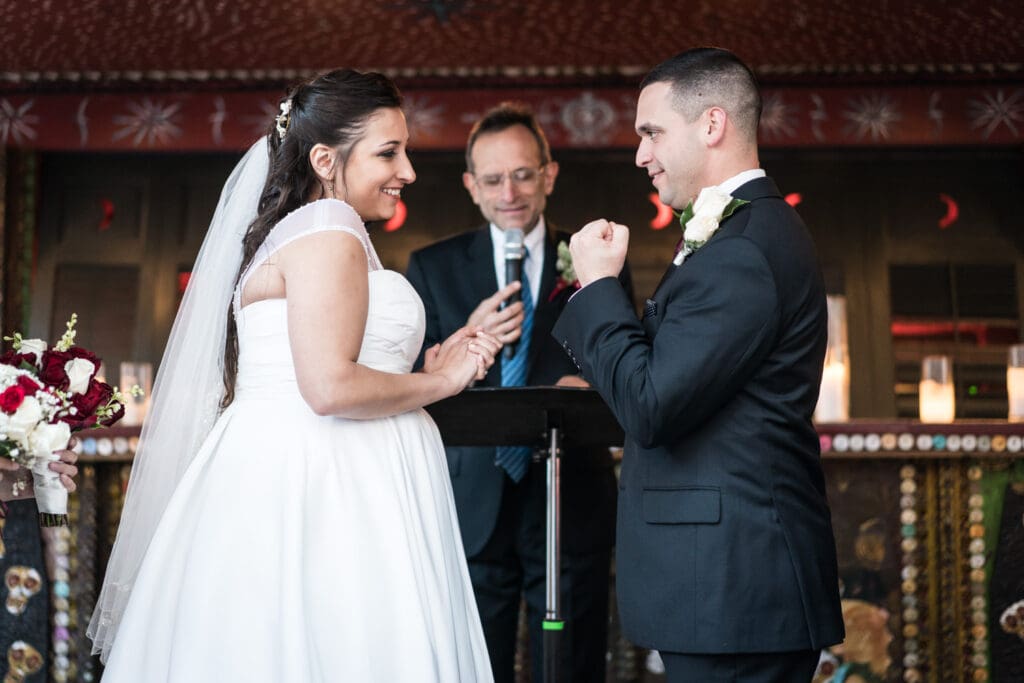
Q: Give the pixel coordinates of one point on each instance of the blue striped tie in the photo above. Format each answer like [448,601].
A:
[516,459]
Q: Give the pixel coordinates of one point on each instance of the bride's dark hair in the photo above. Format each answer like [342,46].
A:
[332,109]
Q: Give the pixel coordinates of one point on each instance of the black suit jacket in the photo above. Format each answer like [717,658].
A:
[452,277]
[724,534]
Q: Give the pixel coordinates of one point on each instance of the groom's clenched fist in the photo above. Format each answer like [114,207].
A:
[599,250]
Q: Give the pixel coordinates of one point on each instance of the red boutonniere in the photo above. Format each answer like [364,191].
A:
[566,275]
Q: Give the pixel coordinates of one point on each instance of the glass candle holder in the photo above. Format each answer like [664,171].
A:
[135,407]
[1015,383]
[936,393]
[834,394]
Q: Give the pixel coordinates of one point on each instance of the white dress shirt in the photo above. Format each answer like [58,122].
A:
[732,184]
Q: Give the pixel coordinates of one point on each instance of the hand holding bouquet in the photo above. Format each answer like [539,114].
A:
[45,395]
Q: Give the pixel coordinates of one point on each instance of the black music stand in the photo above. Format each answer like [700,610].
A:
[549,419]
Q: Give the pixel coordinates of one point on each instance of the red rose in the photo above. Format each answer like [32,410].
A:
[77,423]
[29,385]
[115,416]
[11,398]
[52,371]
[97,395]
[15,359]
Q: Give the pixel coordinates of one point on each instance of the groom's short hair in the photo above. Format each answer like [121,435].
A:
[707,77]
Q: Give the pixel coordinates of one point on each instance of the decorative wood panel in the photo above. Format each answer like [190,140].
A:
[574,117]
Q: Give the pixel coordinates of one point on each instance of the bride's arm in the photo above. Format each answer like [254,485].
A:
[327,291]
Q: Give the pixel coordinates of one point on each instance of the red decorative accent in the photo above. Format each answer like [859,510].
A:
[794,198]
[183,279]
[982,333]
[952,211]
[665,214]
[561,284]
[398,220]
[108,214]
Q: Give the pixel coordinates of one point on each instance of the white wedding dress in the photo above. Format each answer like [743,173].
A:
[300,548]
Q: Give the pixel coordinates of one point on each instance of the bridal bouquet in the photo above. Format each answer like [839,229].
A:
[46,393]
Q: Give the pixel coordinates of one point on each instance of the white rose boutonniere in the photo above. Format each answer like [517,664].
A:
[566,273]
[700,219]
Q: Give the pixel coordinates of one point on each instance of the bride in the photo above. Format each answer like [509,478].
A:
[289,515]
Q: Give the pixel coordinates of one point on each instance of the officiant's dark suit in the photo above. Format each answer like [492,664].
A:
[725,555]
[502,520]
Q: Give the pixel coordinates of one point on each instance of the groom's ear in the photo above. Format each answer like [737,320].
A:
[715,119]
[323,159]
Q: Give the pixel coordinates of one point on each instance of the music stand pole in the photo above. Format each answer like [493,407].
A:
[553,624]
[546,418]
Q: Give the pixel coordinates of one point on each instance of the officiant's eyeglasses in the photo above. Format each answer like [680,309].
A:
[521,177]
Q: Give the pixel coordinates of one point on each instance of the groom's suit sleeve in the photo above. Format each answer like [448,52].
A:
[662,378]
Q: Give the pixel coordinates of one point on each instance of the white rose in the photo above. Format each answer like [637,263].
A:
[47,438]
[79,372]
[36,346]
[24,420]
[700,228]
[711,202]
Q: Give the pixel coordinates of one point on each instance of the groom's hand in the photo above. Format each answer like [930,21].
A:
[599,250]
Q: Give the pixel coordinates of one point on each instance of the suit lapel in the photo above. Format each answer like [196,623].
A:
[668,273]
[482,282]
[480,264]
[758,188]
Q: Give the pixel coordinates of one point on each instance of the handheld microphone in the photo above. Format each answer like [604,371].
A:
[514,252]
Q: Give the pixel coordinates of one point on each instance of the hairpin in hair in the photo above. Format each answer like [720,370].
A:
[283,118]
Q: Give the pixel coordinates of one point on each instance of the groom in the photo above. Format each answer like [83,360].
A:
[726,559]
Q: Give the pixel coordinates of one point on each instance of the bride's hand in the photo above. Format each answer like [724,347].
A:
[431,356]
[486,347]
[461,357]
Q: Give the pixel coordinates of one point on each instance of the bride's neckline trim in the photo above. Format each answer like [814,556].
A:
[320,201]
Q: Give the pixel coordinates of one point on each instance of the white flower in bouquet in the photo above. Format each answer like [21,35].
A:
[24,420]
[47,438]
[36,346]
[79,372]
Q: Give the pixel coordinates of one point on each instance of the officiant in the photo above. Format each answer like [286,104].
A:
[500,492]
